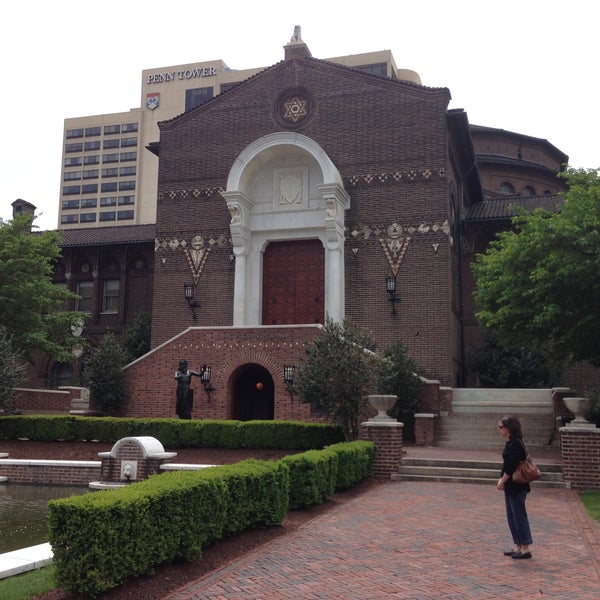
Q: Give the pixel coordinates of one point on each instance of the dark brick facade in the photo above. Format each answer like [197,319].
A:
[390,141]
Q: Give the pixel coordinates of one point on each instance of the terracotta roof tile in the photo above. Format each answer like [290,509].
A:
[106,236]
[505,208]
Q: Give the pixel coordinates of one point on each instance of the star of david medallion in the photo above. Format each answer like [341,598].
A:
[293,108]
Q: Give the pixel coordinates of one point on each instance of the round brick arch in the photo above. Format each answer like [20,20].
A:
[250,361]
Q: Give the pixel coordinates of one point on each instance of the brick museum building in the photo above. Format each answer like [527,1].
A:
[311,189]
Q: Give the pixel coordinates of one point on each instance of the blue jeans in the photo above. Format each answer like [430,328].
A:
[518,523]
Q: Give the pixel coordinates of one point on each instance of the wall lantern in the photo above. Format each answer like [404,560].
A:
[390,287]
[288,378]
[205,379]
[188,294]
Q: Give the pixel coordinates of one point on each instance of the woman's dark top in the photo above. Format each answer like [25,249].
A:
[514,452]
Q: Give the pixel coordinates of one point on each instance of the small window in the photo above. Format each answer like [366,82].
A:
[109,201]
[89,203]
[225,87]
[71,190]
[125,171]
[110,296]
[108,216]
[126,185]
[73,162]
[129,142]
[197,97]
[112,129]
[114,172]
[74,133]
[90,174]
[528,191]
[126,200]
[85,289]
[95,145]
[89,188]
[507,188]
[70,204]
[74,148]
[125,215]
[109,187]
[110,158]
[72,176]
[127,156]
[87,217]
[110,144]
[91,160]
[69,219]
[129,127]
[92,131]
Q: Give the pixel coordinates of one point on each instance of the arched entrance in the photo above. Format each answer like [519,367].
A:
[253,393]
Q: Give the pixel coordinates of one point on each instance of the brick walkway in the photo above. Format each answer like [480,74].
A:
[421,541]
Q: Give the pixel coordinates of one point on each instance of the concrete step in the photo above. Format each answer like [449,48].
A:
[480,430]
[466,471]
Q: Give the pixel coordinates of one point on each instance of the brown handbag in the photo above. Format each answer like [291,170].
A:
[527,470]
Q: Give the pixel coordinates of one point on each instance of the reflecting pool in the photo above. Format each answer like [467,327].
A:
[24,512]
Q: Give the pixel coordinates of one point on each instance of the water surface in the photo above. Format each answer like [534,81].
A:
[24,512]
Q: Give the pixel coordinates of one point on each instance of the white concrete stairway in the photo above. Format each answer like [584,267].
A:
[480,431]
[469,471]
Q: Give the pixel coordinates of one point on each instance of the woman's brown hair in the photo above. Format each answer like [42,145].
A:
[514,427]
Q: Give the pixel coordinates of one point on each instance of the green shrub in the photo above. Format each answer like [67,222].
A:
[355,462]
[173,433]
[100,540]
[313,476]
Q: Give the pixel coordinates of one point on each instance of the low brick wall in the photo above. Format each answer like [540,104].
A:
[50,472]
[580,449]
[41,401]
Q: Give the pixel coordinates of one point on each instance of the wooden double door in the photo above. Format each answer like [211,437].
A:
[294,283]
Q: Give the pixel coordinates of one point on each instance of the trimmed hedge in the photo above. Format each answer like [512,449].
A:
[101,539]
[317,474]
[173,433]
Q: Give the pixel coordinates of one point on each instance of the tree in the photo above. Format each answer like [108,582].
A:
[31,306]
[336,374]
[499,367]
[136,338]
[398,376]
[105,376]
[12,372]
[538,285]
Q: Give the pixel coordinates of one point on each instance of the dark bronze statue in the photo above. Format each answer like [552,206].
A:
[185,395]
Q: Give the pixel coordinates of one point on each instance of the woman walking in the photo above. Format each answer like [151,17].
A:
[515,494]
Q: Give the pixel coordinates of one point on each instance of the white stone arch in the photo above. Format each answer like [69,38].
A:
[283,186]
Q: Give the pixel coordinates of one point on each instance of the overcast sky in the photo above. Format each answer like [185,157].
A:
[528,66]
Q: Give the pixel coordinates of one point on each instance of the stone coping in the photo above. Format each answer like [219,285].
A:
[49,463]
[184,467]
[25,559]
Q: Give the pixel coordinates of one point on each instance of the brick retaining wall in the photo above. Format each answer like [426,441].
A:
[50,472]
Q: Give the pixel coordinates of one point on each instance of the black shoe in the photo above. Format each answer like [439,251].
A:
[521,555]
[511,552]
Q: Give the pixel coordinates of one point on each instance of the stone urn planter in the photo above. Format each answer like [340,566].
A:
[382,403]
[579,407]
